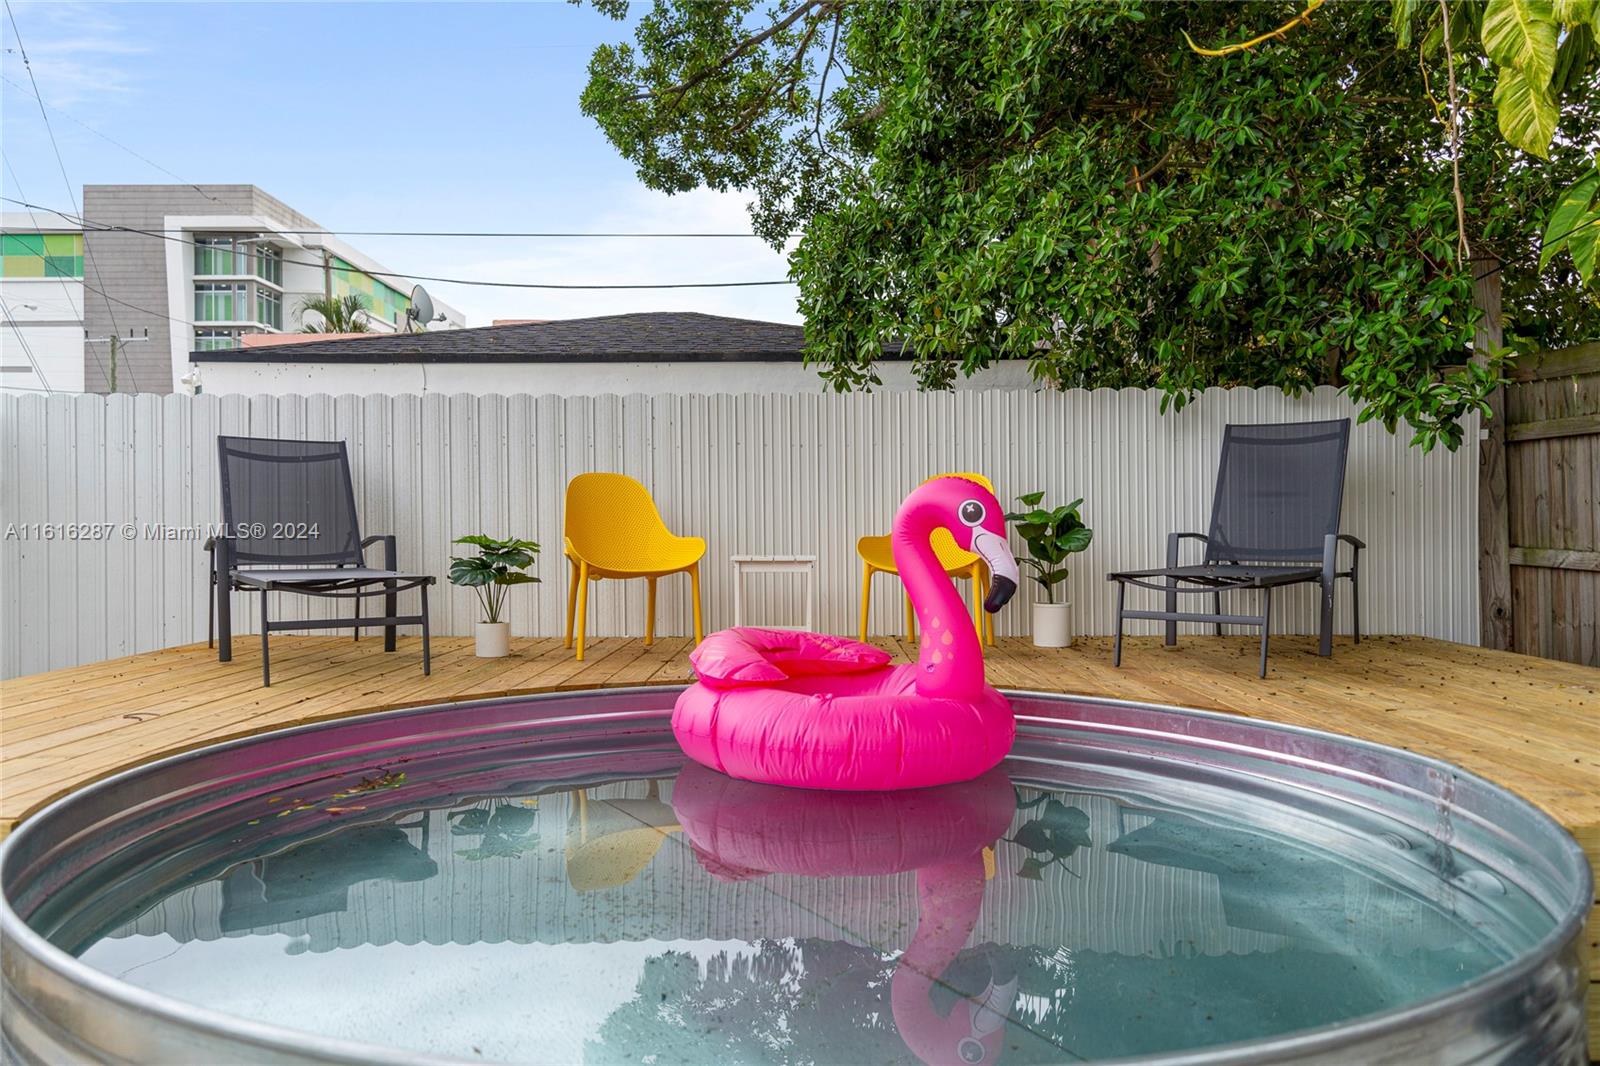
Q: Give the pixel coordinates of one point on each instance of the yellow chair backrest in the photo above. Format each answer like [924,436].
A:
[611,520]
[944,546]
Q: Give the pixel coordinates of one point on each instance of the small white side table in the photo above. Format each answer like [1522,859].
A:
[775,564]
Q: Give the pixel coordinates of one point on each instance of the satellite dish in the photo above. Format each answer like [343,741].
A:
[421,309]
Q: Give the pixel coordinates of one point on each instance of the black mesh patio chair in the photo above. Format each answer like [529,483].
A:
[1274,522]
[290,525]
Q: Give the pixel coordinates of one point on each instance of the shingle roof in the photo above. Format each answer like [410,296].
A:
[654,336]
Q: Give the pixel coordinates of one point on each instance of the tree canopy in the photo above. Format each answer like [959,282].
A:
[1073,184]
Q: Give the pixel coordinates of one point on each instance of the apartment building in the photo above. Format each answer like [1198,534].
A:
[169,270]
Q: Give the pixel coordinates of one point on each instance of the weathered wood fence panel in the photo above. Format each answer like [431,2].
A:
[1552,509]
[754,474]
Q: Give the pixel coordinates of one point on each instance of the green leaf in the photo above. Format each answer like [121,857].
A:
[1575,210]
[1527,111]
[1031,499]
[1032,869]
[1521,34]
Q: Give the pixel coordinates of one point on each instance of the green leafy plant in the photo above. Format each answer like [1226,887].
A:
[340,314]
[491,573]
[1070,186]
[1052,534]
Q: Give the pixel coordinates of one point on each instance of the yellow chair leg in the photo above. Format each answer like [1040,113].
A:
[866,597]
[694,587]
[650,613]
[583,605]
[988,619]
[976,578]
[911,622]
[572,602]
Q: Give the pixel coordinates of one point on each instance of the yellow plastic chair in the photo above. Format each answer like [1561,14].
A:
[877,557]
[614,530]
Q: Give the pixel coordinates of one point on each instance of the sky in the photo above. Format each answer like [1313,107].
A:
[378,116]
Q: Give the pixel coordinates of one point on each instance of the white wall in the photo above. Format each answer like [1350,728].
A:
[49,314]
[752,473]
[560,379]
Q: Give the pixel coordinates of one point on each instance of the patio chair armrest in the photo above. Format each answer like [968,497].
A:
[390,553]
[1355,542]
[1173,541]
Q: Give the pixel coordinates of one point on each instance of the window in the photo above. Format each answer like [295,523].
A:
[269,263]
[218,303]
[216,255]
[212,340]
[269,307]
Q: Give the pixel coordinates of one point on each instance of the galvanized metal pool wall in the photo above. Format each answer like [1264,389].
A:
[753,474]
[1455,830]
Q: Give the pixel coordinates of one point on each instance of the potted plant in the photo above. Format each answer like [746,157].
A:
[497,566]
[1051,535]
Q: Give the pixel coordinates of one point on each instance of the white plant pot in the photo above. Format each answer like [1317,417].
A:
[493,639]
[1052,625]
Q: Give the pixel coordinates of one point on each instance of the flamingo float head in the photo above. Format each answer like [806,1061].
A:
[974,518]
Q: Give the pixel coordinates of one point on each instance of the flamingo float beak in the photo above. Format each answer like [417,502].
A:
[996,555]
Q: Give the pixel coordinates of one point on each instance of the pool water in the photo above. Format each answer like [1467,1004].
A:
[574,892]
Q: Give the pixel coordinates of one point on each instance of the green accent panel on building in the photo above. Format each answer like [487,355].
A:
[384,301]
[41,255]
[22,244]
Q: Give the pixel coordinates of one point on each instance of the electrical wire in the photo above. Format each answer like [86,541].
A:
[49,129]
[480,282]
[110,140]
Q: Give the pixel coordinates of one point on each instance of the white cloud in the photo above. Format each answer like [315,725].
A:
[623,260]
[77,51]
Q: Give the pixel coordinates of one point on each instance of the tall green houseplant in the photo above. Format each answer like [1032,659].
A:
[1052,534]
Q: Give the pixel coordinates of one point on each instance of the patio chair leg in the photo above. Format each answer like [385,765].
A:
[357,598]
[583,605]
[1266,627]
[988,619]
[222,603]
[427,651]
[1216,608]
[650,613]
[694,587]
[211,610]
[572,602]
[1325,623]
[391,607]
[866,597]
[266,661]
[1116,654]
[1355,596]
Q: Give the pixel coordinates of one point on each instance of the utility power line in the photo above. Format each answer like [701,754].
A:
[481,282]
[49,129]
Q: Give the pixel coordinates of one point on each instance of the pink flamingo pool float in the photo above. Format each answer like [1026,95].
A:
[818,711]
[741,831]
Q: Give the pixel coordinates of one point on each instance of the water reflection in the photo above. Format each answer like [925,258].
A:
[694,918]
[741,830]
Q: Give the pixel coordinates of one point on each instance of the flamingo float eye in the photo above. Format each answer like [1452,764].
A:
[972,513]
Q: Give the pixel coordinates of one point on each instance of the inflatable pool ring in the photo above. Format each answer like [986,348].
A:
[740,830]
[818,711]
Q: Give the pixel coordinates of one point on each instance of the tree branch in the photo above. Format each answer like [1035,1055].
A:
[1281,33]
[738,50]
[1462,254]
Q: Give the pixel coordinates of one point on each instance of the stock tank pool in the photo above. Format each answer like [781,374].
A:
[546,880]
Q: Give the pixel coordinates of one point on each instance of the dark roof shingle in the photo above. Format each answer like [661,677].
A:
[651,336]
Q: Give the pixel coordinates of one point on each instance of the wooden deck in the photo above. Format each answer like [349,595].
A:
[1529,724]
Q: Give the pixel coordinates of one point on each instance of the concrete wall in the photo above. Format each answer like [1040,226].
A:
[559,379]
[752,473]
[48,312]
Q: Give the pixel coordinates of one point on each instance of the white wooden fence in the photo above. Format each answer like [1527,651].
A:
[778,474]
